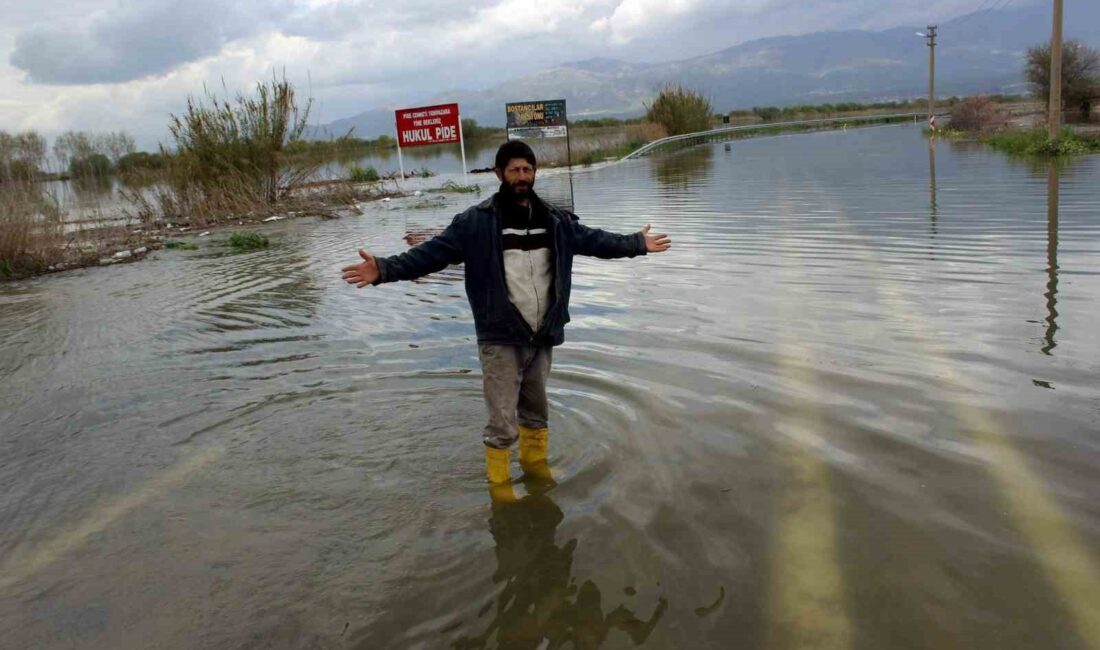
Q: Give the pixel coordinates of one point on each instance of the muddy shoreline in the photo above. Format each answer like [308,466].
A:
[110,245]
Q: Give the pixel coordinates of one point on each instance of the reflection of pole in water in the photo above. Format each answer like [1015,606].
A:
[1052,257]
[932,207]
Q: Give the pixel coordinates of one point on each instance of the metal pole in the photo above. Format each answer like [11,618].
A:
[1054,119]
[400,162]
[462,143]
[569,159]
[931,35]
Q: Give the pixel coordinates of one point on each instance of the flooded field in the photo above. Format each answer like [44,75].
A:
[857,405]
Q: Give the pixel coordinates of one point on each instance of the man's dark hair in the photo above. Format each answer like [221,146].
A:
[514,149]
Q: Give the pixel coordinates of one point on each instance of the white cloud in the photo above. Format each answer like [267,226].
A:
[117,65]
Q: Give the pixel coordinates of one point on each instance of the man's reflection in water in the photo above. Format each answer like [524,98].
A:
[538,607]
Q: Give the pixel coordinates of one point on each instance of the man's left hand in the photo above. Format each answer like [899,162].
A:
[656,243]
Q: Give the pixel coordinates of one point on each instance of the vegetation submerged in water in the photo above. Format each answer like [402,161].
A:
[451,186]
[245,240]
[1038,143]
[358,174]
[1035,143]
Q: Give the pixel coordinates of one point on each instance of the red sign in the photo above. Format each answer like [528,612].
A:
[427,125]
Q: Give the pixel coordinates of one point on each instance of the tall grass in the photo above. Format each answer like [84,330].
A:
[230,156]
[244,138]
[31,233]
[680,110]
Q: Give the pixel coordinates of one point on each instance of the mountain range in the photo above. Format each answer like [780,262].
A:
[981,52]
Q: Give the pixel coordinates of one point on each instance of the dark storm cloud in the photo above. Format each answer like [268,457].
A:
[131,42]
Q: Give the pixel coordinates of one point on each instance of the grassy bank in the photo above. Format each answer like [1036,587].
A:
[1029,143]
[1038,143]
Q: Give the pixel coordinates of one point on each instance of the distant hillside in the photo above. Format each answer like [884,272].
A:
[978,53]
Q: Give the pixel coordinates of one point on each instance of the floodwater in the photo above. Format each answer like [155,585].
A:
[857,405]
[110,201]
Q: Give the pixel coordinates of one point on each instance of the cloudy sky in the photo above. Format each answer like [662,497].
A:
[105,65]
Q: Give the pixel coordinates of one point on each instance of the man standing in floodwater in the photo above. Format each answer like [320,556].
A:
[518,251]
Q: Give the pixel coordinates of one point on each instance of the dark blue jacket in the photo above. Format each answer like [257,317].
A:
[474,238]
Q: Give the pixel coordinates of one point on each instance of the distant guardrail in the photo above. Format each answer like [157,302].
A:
[712,134]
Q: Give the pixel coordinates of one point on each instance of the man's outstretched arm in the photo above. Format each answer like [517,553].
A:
[431,256]
[609,245]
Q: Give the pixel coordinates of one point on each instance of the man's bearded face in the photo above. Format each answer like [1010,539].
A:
[518,175]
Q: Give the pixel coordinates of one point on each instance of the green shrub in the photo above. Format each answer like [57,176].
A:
[94,165]
[1038,143]
[471,129]
[680,110]
[766,113]
[246,240]
[139,160]
[358,174]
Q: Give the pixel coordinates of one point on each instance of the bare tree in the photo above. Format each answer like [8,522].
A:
[1080,73]
[73,145]
[116,145]
[21,155]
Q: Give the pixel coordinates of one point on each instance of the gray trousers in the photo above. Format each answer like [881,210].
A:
[515,390]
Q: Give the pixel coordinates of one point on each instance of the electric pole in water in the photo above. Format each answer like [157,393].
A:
[930,35]
[1054,118]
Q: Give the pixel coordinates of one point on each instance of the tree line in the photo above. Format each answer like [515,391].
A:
[76,154]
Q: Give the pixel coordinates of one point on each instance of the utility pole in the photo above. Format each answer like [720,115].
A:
[1054,118]
[930,36]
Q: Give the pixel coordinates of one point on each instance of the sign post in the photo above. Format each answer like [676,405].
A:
[545,118]
[462,146]
[417,127]
[400,162]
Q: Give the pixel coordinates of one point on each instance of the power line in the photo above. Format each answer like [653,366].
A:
[980,13]
[969,16]
[985,32]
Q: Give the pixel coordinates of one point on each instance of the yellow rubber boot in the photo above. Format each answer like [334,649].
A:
[533,445]
[500,480]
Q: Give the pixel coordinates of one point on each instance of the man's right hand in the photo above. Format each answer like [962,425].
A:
[363,273]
